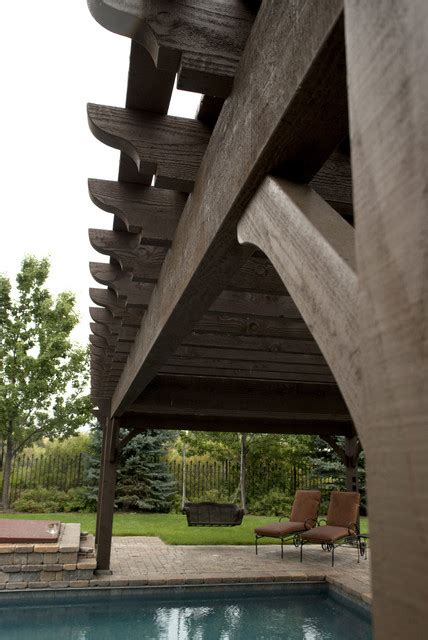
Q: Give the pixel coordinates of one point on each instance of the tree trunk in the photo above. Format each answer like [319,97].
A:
[243,471]
[7,467]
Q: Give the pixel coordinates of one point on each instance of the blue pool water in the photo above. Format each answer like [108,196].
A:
[306,613]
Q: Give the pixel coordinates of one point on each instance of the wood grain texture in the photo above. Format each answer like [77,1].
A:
[237,425]
[201,396]
[333,182]
[142,262]
[135,295]
[151,212]
[312,248]
[304,113]
[204,50]
[148,89]
[387,54]
[169,147]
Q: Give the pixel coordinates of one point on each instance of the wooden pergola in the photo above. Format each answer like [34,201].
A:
[254,284]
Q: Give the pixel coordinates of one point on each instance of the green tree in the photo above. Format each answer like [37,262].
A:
[43,375]
[251,451]
[143,482]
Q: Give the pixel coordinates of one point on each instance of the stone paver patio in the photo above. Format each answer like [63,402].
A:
[147,560]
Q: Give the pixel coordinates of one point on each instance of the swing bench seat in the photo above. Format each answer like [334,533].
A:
[213,514]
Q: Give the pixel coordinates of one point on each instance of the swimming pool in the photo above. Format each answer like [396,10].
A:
[289,611]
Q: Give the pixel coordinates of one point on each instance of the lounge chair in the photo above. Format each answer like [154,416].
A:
[341,524]
[303,517]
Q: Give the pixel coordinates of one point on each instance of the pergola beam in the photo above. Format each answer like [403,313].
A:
[299,114]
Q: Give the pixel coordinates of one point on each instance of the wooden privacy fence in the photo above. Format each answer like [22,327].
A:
[67,471]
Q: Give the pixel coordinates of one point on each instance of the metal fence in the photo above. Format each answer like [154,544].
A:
[47,471]
[202,478]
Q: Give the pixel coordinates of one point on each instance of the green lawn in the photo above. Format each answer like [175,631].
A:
[171,528]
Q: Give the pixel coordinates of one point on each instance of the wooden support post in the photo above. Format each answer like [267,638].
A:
[102,420]
[387,58]
[106,505]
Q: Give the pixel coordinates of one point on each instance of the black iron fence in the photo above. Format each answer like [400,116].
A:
[47,471]
[202,478]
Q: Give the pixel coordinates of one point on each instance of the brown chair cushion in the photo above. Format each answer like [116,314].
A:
[279,529]
[343,508]
[306,505]
[325,534]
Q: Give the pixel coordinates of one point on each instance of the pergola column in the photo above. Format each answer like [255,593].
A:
[387,59]
[106,494]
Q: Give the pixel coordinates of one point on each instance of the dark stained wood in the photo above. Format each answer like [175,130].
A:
[305,114]
[209,110]
[136,295]
[205,50]
[226,397]
[237,425]
[333,182]
[246,373]
[109,300]
[320,272]
[250,344]
[260,355]
[255,304]
[153,213]
[106,495]
[387,55]
[170,147]
[148,89]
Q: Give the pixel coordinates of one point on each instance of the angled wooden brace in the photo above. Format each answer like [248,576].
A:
[312,249]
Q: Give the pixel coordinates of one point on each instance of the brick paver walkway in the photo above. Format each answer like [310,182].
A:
[147,560]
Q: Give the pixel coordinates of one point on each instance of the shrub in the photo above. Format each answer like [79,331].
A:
[80,499]
[273,503]
[40,500]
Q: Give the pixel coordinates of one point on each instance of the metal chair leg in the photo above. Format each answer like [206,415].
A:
[332,557]
[282,549]
[256,546]
[301,551]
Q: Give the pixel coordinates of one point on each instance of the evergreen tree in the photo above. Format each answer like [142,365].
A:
[144,482]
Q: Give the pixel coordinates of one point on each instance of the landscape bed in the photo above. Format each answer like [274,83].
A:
[265,612]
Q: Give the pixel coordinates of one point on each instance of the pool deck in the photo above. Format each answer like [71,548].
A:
[138,561]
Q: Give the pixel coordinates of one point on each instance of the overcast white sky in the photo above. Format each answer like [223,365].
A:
[55,59]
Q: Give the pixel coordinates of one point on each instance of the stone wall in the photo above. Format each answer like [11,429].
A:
[69,563]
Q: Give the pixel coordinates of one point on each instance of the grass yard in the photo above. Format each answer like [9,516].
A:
[170,527]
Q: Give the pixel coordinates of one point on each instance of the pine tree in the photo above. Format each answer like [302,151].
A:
[144,482]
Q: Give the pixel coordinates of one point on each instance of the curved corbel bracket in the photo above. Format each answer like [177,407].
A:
[142,262]
[312,249]
[170,147]
[143,23]
[135,295]
[201,41]
[151,212]
[120,245]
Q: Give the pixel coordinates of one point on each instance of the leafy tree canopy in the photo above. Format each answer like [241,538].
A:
[43,376]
